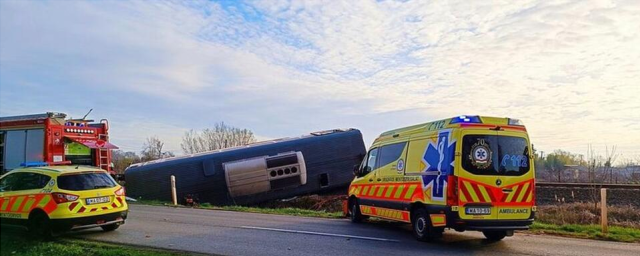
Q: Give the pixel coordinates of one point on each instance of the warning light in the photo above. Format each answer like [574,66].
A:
[466,119]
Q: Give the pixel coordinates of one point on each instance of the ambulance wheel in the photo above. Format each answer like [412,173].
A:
[354,212]
[40,226]
[110,227]
[494,235]
[422,228]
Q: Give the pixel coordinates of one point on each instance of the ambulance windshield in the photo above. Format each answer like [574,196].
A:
[86,181]
[495,155]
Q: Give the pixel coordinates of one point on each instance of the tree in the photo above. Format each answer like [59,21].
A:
[599,168]
[631,169]
[121,160]
[152,150]
[556,162]
[221,136]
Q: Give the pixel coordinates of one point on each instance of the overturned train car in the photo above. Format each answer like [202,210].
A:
[283,168]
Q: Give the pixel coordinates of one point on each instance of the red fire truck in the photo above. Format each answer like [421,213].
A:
[52,139]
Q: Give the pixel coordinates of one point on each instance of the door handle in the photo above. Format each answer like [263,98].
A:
[507,190]
[379,179]
[370,180]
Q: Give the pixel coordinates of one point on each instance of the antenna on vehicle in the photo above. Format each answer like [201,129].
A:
[85,116]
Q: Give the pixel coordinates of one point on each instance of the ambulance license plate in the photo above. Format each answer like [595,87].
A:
[478,211]
[98,200]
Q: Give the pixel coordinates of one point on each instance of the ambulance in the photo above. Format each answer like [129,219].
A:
[462,173]
[51,200]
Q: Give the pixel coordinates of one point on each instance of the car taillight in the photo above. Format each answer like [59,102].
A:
[452,190]
[120,192]
[63,197]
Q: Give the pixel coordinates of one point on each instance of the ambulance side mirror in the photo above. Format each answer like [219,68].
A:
[356,170]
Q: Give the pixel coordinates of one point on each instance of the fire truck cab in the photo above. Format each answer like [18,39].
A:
[463,173]
[52,139]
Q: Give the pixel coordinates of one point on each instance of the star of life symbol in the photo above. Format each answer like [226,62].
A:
[438,161]
[480,155]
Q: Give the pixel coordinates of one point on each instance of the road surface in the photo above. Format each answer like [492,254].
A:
[236,233]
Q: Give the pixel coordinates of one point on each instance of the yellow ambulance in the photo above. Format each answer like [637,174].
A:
[54,199]
[463,173]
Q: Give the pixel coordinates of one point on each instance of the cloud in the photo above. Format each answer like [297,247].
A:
[568,69]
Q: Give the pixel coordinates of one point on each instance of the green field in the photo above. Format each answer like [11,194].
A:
[621,234]
[18,244]
[279,211]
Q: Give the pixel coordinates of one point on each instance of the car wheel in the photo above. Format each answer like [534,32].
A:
[110,227]
[354,214]
[494,235]
[40,226]
[422,228]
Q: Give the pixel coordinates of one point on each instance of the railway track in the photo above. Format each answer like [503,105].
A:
[587,185]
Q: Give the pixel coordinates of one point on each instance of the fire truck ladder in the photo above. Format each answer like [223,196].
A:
[103,154]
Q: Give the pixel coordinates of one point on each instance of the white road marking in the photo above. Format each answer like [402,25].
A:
[322,234]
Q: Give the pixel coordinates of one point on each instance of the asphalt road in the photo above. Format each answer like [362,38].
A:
[235,233]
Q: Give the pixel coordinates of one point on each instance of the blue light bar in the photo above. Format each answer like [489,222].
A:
[34,164]
[466,119]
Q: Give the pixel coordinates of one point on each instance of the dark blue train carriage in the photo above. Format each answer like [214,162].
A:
[282,168]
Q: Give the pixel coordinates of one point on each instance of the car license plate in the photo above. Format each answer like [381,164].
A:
[97,200]
[478,211]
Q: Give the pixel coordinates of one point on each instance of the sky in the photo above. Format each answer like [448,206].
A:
[568,69]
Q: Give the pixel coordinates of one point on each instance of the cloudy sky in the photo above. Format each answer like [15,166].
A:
[568,69]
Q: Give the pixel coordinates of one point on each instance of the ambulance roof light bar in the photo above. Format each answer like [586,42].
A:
[34,164]
[466,119]
[516,122]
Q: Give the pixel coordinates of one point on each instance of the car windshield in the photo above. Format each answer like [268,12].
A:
[85,181]
[495,155]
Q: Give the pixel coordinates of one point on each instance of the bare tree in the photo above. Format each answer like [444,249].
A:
[121,160]
[600,169]
[631,170]
[153,150]
[221,136]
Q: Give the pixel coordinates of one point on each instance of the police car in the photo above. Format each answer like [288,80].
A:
[54,199]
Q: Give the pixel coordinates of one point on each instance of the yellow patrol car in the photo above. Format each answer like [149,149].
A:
[464,173]
[54,199]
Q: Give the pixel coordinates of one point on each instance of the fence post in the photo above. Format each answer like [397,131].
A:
[603,210]
[174,197]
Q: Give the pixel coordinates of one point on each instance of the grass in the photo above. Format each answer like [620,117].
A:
[621,234]
[278,211]
[17,244]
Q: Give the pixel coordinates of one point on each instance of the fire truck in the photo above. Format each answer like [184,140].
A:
[52,139]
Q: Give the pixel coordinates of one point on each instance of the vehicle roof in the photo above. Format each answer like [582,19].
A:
[441,124]
[267,143]
[59,169]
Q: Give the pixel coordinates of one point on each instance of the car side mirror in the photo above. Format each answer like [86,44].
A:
[356,170]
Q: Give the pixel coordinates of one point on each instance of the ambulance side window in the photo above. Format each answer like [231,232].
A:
[33,181]
[370,162]
[391,153]
[9,182]
[23,181]
[5,183]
